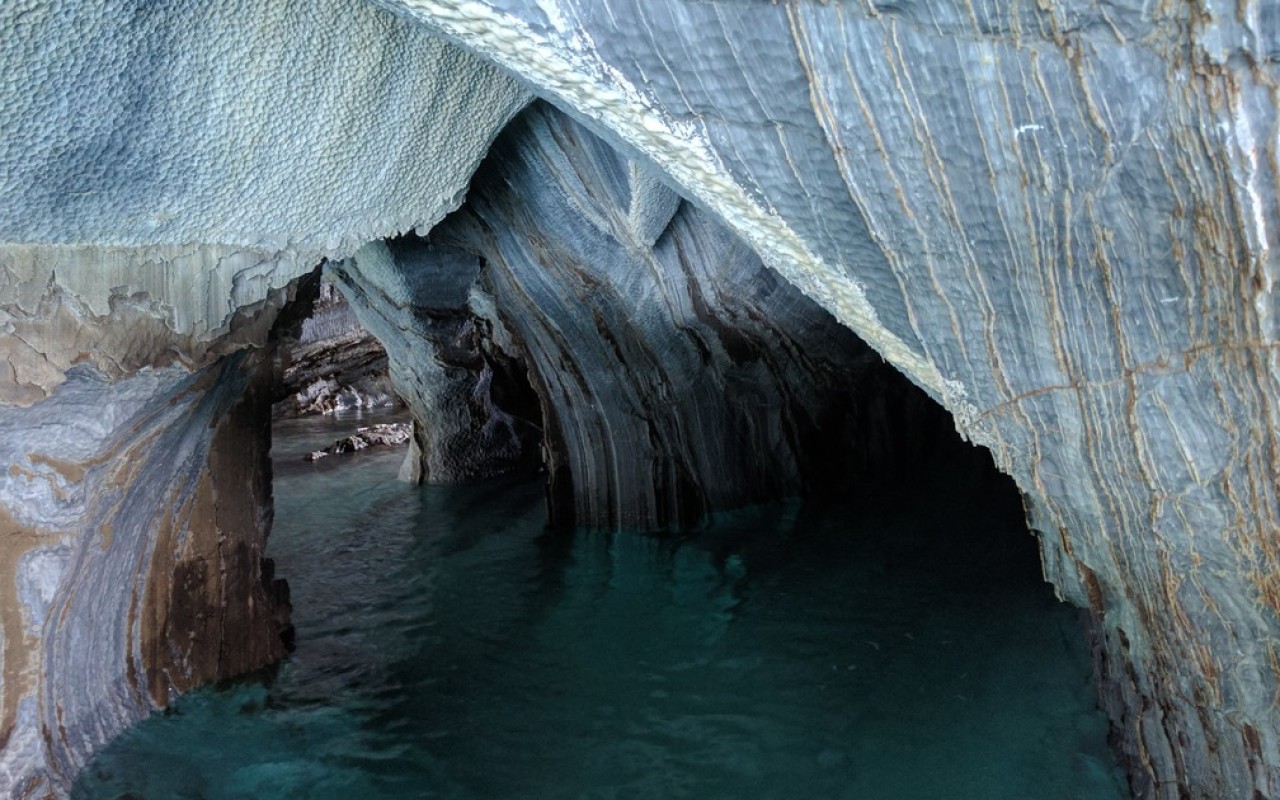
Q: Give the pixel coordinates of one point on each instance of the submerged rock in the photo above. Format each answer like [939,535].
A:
[387,434]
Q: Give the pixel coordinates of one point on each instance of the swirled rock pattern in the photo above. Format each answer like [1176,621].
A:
[677,375]
[1059,218]
[168,170]
[135,519]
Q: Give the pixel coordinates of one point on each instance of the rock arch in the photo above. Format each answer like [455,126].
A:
[1060,221]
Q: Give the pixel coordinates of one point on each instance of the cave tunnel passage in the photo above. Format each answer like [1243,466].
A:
[464,407]
[325,361]
[892,639]
[843,599]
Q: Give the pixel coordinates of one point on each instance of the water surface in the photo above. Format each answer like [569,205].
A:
[449,647]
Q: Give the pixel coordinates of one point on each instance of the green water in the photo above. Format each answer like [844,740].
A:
[449,647]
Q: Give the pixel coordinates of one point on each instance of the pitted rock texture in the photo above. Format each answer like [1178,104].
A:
[135,514]
[677,375]
[166,168]
[168,171]
[233,124]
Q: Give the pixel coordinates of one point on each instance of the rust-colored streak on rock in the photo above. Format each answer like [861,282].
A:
[156,611]
[70,470]
[207,614]
[15,541]
[240,471]
[1093,588]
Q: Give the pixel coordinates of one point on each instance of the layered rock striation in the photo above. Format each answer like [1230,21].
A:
[327,361]
[168,172]
[677,375]
[577,303]
[135,517]
[467,425]
[1059,219]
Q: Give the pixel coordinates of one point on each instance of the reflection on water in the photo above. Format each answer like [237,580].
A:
[449,647]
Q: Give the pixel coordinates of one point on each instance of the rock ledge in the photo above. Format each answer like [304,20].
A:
[387,434]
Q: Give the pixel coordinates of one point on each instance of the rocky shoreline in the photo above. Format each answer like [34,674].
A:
[388,434]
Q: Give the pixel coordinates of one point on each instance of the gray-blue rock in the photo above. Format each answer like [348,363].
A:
[1058,218]
[677,375]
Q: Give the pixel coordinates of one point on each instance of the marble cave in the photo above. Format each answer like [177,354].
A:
[670,259]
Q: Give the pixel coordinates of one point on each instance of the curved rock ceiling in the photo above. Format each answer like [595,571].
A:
[1059,218]
[184,161]
[677,375]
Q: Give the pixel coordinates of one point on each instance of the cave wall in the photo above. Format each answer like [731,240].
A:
[169,169]
[135,517]
[1058,218]
[671,373]
[415,297]
[678,376]
[168,165]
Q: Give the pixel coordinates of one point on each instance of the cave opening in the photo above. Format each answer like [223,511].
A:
[1051,216]
[325,362]
[886,633]
[669,530]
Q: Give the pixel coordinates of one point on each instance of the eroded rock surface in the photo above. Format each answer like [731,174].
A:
[1058,218]
[169,171]
[384,434]
[135,520]
[414,297]
[1061,220]
[166,170]
[677,375]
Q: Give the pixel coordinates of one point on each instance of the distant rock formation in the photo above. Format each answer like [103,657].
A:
[384,434]
[474,414]
[329,363]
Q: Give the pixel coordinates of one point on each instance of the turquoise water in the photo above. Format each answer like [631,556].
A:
[449,647]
